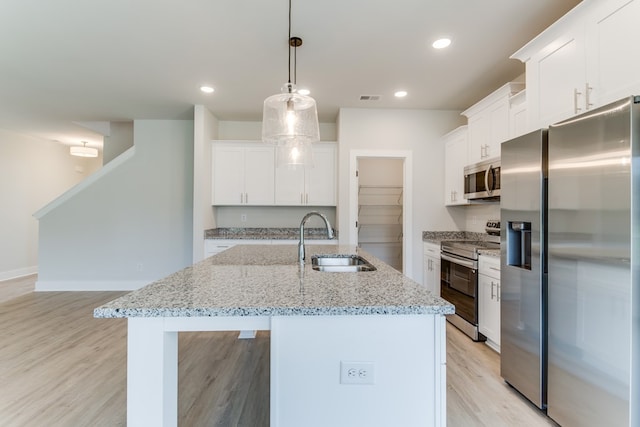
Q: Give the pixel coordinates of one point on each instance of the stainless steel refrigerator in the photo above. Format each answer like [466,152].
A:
[523,268]
[586,314]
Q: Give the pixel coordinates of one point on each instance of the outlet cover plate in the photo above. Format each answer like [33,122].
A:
[357,372]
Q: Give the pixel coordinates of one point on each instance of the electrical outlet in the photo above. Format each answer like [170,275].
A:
[357,372]
[243,217]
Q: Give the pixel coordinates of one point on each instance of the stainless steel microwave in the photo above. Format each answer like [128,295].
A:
[482,180]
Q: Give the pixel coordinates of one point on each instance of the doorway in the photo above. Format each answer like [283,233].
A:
[380,205]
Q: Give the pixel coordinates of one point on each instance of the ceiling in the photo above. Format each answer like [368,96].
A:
[69,61]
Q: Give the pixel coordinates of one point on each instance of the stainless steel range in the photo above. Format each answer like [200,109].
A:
[459,278]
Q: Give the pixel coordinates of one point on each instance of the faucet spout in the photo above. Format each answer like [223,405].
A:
[301,252]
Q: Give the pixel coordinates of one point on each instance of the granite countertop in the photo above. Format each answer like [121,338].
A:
[260,280]
[490,252]
[267,233]
[439,236]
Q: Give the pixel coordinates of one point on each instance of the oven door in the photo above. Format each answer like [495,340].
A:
[459,285]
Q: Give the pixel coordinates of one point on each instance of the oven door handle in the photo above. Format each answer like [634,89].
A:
[460,261]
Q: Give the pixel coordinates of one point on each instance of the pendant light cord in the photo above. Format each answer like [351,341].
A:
[289,42]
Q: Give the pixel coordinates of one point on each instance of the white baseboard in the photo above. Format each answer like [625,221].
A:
[20,272]
[89,285]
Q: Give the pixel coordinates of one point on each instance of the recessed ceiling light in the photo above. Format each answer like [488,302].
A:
[441,43]
[206,89]
[400,94]
[304,92]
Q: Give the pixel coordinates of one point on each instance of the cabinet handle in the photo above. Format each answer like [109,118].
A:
[498,291]
[246,197]
[306,200]
[301,199]
[455,196]
[241,198]
[587,89]
[492,284]
[486,150]
[482,151]
[576,93]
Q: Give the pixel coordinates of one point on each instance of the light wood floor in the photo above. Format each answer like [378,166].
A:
[61,367]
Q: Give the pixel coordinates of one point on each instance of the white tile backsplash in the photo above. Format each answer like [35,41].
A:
[478,215]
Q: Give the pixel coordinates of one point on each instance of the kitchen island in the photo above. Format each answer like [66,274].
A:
[364,348]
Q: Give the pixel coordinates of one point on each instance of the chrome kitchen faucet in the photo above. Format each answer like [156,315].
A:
[304,220]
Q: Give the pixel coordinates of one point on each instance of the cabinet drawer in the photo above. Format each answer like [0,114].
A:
[431,250]
[489,266]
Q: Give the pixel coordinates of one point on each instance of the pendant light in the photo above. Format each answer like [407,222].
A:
[290,120]
[83,151]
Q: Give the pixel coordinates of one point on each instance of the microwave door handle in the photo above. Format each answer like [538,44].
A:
[488,189]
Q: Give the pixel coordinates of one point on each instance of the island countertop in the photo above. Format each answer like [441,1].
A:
[267,280]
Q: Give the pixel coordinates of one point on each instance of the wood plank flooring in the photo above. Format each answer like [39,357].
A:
[61,367]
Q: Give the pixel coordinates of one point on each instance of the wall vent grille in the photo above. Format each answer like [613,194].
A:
[369,97]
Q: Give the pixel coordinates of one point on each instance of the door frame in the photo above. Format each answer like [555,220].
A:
[407,198]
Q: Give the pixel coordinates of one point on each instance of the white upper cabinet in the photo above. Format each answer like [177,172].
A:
[583,61]
[314,186]
[612,41]
[518,122]
[488,123]
[455,159]
[243,174]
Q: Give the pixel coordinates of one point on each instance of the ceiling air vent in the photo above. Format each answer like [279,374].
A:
[369,97]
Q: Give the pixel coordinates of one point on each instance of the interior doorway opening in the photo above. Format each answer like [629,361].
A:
[380,193]
[380,208]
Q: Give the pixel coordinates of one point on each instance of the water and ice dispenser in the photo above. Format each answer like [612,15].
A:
[519,244]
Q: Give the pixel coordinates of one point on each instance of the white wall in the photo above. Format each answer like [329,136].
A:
[205,128]
[420,132]
[33,171]
[119,140]
[132,226]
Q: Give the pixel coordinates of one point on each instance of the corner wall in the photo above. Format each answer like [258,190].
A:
[130,227]
[33,171]
[419,131]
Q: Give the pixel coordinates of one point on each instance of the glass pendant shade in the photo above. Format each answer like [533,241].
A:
[294,155]
[290,117]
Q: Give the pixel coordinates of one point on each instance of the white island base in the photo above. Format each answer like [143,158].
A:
[407,353]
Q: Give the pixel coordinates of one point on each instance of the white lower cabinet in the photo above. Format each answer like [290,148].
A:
[432,267]
[489,300]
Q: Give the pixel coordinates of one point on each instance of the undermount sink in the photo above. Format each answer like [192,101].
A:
[341,263]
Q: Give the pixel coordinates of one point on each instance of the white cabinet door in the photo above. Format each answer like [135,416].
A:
[321,179]
[488,123]
[478,136]
[243,175]
[431,267]
[290,189]
[518,122]
[585,60]
[489,300]
[259,169]
[455,161]
[612,38]
[228,175]
[556,80]
[314,186]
